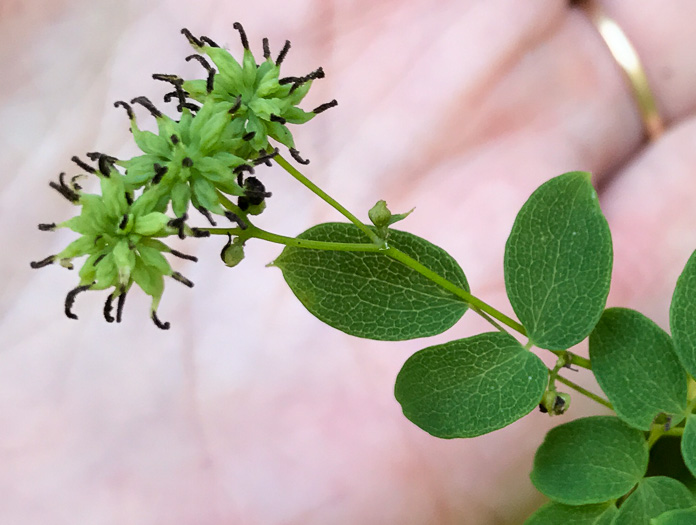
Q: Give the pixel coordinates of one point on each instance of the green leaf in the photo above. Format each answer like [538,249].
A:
[688,444]
[590,460]
[555,513]
[472,386]
[682,316]
[558,262]
[653,497]
[368,294]
[676,517]
[635,363]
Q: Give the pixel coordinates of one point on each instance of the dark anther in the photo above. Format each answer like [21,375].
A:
[183,280]
[207,215]
[210,82]
[43,262]
[95,155]
[243,203]
[124,222]
[174,139]
[169,96]
[201,60]
[171,79]
[240,179]
[47,227]
[64,190]
[108,306]
[233,218]
[266,159]
[192,39]
[255,191]
[186,162]
[180,255]
[242,34]
[324,107]
[105,165]
[179,223]
[83,164]
[129,197]
[236,106]
[70,299]
[289,80]
[197,232]
[145,102]
[99,259]
[266,49]
[542,408]
[158,323]
[160,171]
[188,105]
[276,118]
[249,136]
[73,182]
[243,167]
[119,306]
[209,41]
[296,155]
[125,106]
[283,53]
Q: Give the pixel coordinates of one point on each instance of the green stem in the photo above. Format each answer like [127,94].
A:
[475,302]
[585,392]
[574,359]
[258,233]
[231,206]
[326,198]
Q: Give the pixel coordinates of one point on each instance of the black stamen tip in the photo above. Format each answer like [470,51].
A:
[209,41]
[324,107]
[125,106]
[99,259]
[192,39]
[129,197]
[43,262]
[145,102]
[198,233]
[180,255]
[70,299]
[210,81]
[159,324]
[232,217]
[283,53]
[266,49]
[296,155]
[236,106]
[243,167]
[124,222]
[82,164]
[249,136]
[108,307]
[160,171]
[277,118]
[242,34]
[105,165]
[47,227]
[187,162]
[207,215]
[183,280]
[119,306]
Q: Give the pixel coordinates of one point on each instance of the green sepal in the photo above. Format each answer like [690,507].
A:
[150,224]
[296,115]
[81,246]
[249,69]
[107,273]
[114,195]
[154,258]
[280,133]
[197,89]
[139,170]
[181,196]
[230,75]
[150,143]
[148,278]
[205,194]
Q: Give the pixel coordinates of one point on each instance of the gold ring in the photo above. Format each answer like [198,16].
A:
[626,56]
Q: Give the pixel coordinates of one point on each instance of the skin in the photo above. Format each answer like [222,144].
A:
[249,410]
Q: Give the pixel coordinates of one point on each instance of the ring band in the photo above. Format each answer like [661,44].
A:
[626,56]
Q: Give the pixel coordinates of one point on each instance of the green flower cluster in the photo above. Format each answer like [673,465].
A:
[203,158]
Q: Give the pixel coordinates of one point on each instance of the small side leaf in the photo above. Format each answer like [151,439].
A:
[676,517]
[682,316]
[553,513]
[688,444]
[472,386]
[653,497]
[635,363]
[558,262]
[368,294]
[590,460]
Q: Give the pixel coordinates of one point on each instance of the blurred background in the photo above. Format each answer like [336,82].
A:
[249,410]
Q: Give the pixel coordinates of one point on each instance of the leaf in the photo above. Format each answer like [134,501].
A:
[676,517]
[368,294]
[554,513]
[682,316]
[635,363]
[558,262]
[653,497]
[472,386]
[590,460]
[688,443]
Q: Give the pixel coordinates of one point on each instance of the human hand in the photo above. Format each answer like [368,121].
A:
[249,410]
